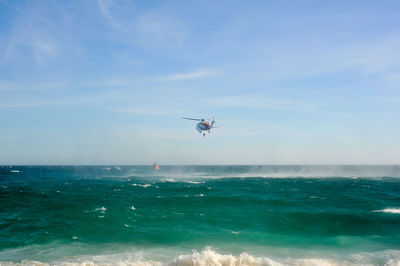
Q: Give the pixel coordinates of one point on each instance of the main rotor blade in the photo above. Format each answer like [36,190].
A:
[195,119]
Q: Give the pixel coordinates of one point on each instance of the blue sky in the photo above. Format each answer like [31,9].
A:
[290,82]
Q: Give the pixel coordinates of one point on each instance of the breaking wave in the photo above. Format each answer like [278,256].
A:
[212,258]
[390,210]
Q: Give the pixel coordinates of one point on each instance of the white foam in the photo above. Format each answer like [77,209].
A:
[141,185]
[392,262]
[315,262]
[209,257]
[390,210]
[24,263]
[101,210]
[14,171]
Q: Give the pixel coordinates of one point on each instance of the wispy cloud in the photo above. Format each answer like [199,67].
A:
[392,114]
[378,57]
[154,110]
[393,100]
[197,74]
[32,35]
[151,27]
[45,103]
[263,103]
[393,79]
[56,99]
[104,6]
[27,43]
[257,102]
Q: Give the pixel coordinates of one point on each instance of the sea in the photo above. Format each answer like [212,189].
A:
[200,215]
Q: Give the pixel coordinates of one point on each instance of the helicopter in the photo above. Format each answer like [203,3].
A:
[203,126]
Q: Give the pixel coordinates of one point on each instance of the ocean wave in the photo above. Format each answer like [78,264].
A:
[209,257]
[141,185]
[100,210]
[390,210]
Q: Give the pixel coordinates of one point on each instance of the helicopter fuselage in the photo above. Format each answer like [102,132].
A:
[203,126]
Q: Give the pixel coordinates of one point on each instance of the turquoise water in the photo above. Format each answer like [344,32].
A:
[200,215]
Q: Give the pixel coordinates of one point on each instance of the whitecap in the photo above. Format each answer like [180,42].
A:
[390,210]
[141,185]
[101,210]
[193,182]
